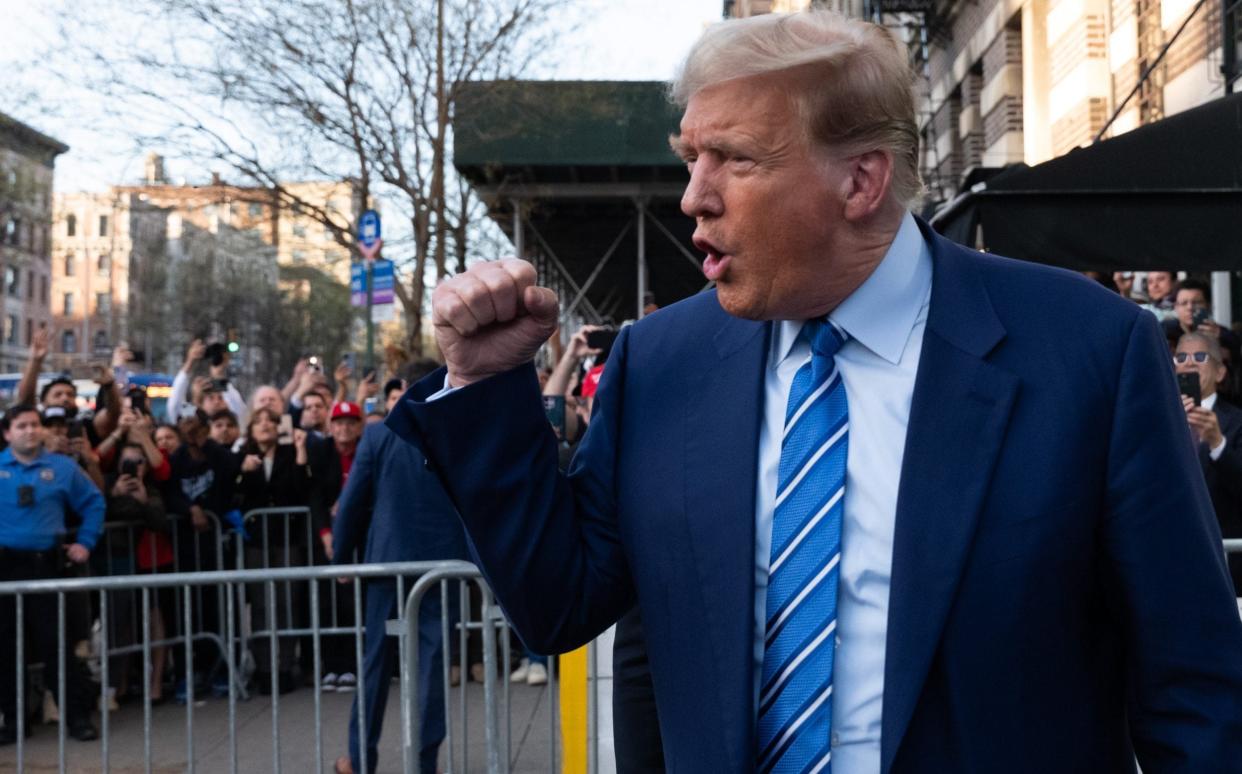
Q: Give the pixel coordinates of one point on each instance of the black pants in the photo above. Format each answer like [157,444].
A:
[636,728]
[40,630]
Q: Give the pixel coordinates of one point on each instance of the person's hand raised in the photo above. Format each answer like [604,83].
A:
[490,319]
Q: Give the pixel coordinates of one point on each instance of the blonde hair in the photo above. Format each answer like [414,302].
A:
[858,95]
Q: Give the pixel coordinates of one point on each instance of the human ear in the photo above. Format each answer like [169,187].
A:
[870,176]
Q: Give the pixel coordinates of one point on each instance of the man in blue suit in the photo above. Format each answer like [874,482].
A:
[882,507]
[397,511]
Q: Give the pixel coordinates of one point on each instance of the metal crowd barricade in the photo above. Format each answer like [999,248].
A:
[491,624]
[183,585]
[189,550]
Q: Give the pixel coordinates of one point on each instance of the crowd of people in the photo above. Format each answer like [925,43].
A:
[122,488]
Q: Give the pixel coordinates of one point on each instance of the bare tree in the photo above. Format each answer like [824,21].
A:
[287,90]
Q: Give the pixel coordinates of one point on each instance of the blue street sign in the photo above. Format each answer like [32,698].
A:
[369,229]
[382,292]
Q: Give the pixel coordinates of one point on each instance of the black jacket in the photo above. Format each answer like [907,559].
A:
[289,486]
[1224,480]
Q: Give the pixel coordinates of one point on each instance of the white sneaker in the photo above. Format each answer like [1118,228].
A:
[538,674]
[329,683]
[346,682]
[522,673]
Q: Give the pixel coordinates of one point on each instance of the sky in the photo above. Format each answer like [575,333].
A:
[617,40]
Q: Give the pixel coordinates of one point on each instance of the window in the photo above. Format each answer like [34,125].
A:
[103,266]
[69,265]
[103,303]
[43,290]
[29,331]
[71,225]
[11,283]
[10,329]
[299,230]
[101,342]
[10,231]
[299,256]
[30,285]
[68,342]
[68,310]
[103,225]
[255,209]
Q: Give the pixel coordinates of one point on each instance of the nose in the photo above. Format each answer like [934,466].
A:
[702,196]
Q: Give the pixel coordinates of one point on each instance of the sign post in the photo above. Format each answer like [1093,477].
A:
[369,244]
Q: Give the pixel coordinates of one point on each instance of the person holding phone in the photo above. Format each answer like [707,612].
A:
[275,475]
[1217,427]
[1192,308]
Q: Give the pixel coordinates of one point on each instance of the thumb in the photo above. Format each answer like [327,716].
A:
[541,304]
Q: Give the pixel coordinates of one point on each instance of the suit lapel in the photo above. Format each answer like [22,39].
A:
[723,415]
[958,417]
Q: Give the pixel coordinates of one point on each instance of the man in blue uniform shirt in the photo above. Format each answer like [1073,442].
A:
[37,489]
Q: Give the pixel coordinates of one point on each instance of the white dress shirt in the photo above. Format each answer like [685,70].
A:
[884,318]
[1209,403]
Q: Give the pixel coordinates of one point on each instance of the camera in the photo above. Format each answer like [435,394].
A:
[216,353]
[1201,316]
[75,428]
[130,467]
[602,339]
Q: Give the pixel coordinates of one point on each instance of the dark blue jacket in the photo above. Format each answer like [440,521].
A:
[1059,598]
[393,507]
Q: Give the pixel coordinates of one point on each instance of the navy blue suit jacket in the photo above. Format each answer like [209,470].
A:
[1059,595]
[393,507]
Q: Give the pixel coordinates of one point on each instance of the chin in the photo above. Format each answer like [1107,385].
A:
[738,303]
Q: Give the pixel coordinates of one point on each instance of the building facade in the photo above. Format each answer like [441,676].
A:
[27,163]
[121,257]
[1012,81]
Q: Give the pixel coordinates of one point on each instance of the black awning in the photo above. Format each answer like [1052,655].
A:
[1164,196]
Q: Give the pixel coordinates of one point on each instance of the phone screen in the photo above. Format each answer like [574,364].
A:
[554,408]
[284,435]
[1188,385]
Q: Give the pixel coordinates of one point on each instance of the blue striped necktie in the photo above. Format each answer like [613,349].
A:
[795,702]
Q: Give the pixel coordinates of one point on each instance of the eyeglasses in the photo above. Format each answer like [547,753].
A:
[1199,357]
[1192,304]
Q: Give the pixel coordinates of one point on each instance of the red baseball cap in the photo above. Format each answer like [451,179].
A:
[590,382]
[347,410]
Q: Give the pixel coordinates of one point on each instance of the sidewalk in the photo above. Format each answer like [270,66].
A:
[529,728]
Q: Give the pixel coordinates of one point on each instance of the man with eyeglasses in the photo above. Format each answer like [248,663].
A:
[1192,307]
[1217,429]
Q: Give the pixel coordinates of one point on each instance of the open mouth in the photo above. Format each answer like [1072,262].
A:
[715,261]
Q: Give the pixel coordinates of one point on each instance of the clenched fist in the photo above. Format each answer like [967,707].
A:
[491,319]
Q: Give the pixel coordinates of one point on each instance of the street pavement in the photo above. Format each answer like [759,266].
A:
[529,730]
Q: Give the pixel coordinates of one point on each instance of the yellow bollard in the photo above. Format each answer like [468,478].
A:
[573,684]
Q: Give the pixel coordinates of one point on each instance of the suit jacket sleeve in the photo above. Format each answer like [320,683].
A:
[1179,622]
[353,510]
[547,543]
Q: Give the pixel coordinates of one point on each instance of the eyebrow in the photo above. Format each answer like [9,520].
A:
[679,146]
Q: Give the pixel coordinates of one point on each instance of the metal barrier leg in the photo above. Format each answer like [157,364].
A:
[275,681]
[103,678]
[231,641]
[61,663]
[146,679]
[315,645]
[491,732]
[363,747]
[189,681]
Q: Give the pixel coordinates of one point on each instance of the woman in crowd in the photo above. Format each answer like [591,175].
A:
[275,473]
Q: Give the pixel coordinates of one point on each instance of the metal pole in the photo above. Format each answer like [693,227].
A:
[641,205]
[1229,43]
[1222,298]
[370,279]
[519,236]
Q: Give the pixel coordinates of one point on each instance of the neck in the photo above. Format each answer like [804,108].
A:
[25,458]
[347,447]
[866,245]
[266,447]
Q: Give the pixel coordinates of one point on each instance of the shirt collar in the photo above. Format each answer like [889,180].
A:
[7,458]
[1209,402]
[883,310]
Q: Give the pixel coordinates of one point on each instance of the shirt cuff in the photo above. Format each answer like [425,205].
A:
[1218,450]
